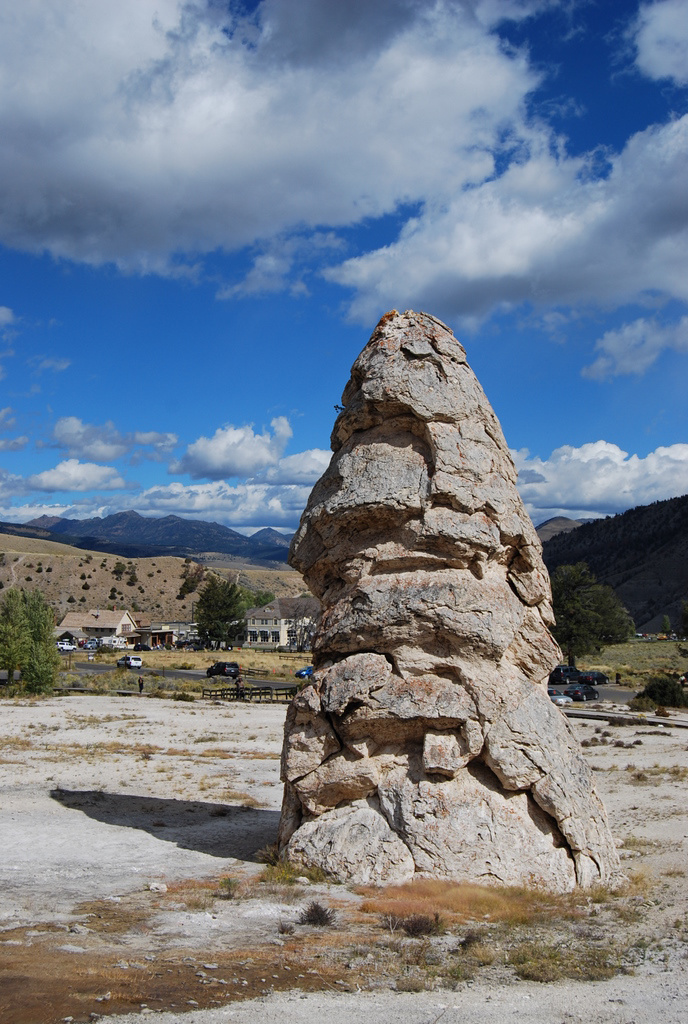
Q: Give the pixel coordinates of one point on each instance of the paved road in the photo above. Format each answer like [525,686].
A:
[619,694]
[94,668]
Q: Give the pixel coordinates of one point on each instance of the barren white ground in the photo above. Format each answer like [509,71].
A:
[101,797]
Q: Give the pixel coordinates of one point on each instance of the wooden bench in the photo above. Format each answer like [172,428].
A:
[251,693]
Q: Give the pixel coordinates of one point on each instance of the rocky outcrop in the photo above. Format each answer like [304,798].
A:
[426,742]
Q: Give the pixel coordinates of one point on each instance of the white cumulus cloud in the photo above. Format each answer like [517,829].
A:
[234,451]
[545,232]
[661,38]
[104,442]
[599,478]
[147,128]
[72,475]
[241,505]
[14,444]
[85,440]
[635,346]
[150,132]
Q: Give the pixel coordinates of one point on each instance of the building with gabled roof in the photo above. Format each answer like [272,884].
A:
[284,622]
[98,623]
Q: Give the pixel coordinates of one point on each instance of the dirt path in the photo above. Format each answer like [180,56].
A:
[14,565]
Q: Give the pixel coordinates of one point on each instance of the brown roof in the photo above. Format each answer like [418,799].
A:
[287,608]
[95,618]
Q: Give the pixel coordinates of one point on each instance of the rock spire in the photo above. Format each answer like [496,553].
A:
[426,743]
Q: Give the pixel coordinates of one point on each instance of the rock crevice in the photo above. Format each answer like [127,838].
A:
[426,742]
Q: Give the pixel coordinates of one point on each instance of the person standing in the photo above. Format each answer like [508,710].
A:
[140,684]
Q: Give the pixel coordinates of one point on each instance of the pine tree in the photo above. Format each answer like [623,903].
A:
[589,614]
[220,611]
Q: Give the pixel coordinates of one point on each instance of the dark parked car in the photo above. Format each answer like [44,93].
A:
[304,673]
[224,668]
[582,691]
[594,678]
[141,647]
[563,674]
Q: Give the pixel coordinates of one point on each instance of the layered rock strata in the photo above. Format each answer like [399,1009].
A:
[426,742]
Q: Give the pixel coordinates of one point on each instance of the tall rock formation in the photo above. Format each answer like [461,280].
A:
[426,742]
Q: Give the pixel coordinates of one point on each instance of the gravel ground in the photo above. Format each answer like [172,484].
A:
[118,816]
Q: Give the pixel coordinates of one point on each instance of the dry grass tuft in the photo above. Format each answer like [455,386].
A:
[657,773]
[15,743]
[542,961]
[463,902]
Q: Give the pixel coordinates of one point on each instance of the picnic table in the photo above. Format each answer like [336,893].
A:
[248,692]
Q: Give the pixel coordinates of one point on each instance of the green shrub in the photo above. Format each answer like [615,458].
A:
[228,888]
[180,695]
[641,704]
[666,692]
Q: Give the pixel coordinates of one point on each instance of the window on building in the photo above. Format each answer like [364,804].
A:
[275,636]
[253,636]
[264,636]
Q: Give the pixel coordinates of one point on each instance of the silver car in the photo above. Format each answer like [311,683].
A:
[557,697]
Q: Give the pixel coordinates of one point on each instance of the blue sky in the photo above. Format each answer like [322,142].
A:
[206,207]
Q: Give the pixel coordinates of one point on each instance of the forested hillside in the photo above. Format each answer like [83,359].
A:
[642,554]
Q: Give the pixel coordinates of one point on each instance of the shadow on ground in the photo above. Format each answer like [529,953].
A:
[220,830]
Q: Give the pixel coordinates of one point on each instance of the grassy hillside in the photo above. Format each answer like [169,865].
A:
[71,578]
[637,660]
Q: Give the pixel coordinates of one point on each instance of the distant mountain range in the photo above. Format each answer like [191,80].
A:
[642,554]
[134,536]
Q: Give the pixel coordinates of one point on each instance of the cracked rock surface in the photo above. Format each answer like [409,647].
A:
[426,742]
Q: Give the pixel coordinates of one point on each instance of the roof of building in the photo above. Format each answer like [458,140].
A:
[287,608]
[95,618]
